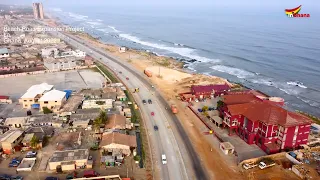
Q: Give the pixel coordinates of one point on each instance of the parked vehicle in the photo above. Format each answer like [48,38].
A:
[249,165]
[164,159]
[174,109]
[90,173]
[144,101]
[16,178]
[5,177]
[263,165]
[152,113]
[127,78]
[148,73]
[149,101]
[31,154]
[155,127]
[14,162]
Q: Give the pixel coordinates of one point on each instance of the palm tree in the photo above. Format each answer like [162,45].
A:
[220,104]
[34,142]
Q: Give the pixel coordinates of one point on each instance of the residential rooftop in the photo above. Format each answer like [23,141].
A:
[4,51]
[53,95]
[117,138]
[34,90]
[10,136]
[69,155]
[269,114]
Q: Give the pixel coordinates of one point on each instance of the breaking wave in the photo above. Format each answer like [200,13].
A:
[297,83]
[186,52]
[94,23]
[240,73]
[77,16]
[114,29]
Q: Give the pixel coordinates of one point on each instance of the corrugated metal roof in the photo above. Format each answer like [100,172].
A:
[53,95]
[34,90]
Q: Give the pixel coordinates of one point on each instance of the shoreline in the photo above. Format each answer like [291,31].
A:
[177,64]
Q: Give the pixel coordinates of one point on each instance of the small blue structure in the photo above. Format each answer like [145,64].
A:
[68,93]
[35,106]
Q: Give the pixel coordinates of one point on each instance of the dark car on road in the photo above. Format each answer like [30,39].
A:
[5,177]
[16,178]
[149,101]
[155,127]
[144,101]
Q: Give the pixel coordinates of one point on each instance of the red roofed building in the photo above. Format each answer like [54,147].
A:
[5,100]
[269,126]
[206,91]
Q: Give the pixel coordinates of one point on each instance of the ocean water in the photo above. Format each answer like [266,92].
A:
[266,51]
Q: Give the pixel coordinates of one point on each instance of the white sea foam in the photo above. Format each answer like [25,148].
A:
[94,23]
[178,44]
[114,29]
[267,82]
[103,30]
[186,52]
[77,16]
[310,102]
[290,91]
[296,83]
[240,73]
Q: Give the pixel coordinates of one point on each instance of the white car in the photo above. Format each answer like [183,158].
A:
[164,159]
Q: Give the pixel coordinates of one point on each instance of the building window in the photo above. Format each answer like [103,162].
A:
[25,100]
[30,100]
[25,105]
[55,101]
[45,102]
[51,107]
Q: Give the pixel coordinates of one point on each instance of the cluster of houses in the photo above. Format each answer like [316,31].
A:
[75,112]
[56,59]
[255,117]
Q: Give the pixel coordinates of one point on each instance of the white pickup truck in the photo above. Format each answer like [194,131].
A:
[263,165]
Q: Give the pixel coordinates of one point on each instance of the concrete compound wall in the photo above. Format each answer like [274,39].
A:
[272,156]
[43,72]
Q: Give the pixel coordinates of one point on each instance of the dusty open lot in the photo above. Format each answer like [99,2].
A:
[74,80]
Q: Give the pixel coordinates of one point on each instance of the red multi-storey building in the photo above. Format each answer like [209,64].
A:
[269,126]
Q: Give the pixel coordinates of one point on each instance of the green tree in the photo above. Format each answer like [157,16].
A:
[220,104]
[34,142]
[137,158]
[205,108]
[46,110]
[100,120]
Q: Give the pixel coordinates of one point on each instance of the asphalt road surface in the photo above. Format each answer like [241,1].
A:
[171,139]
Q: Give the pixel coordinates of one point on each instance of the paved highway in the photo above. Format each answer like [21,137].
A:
[180,153]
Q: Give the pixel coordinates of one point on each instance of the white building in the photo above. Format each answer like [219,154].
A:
[16,122]
[53,100]
[4,53]
[60,64]
[49,51]
[78,53]
[33,94]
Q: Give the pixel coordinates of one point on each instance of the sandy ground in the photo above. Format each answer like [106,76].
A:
[74,80]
